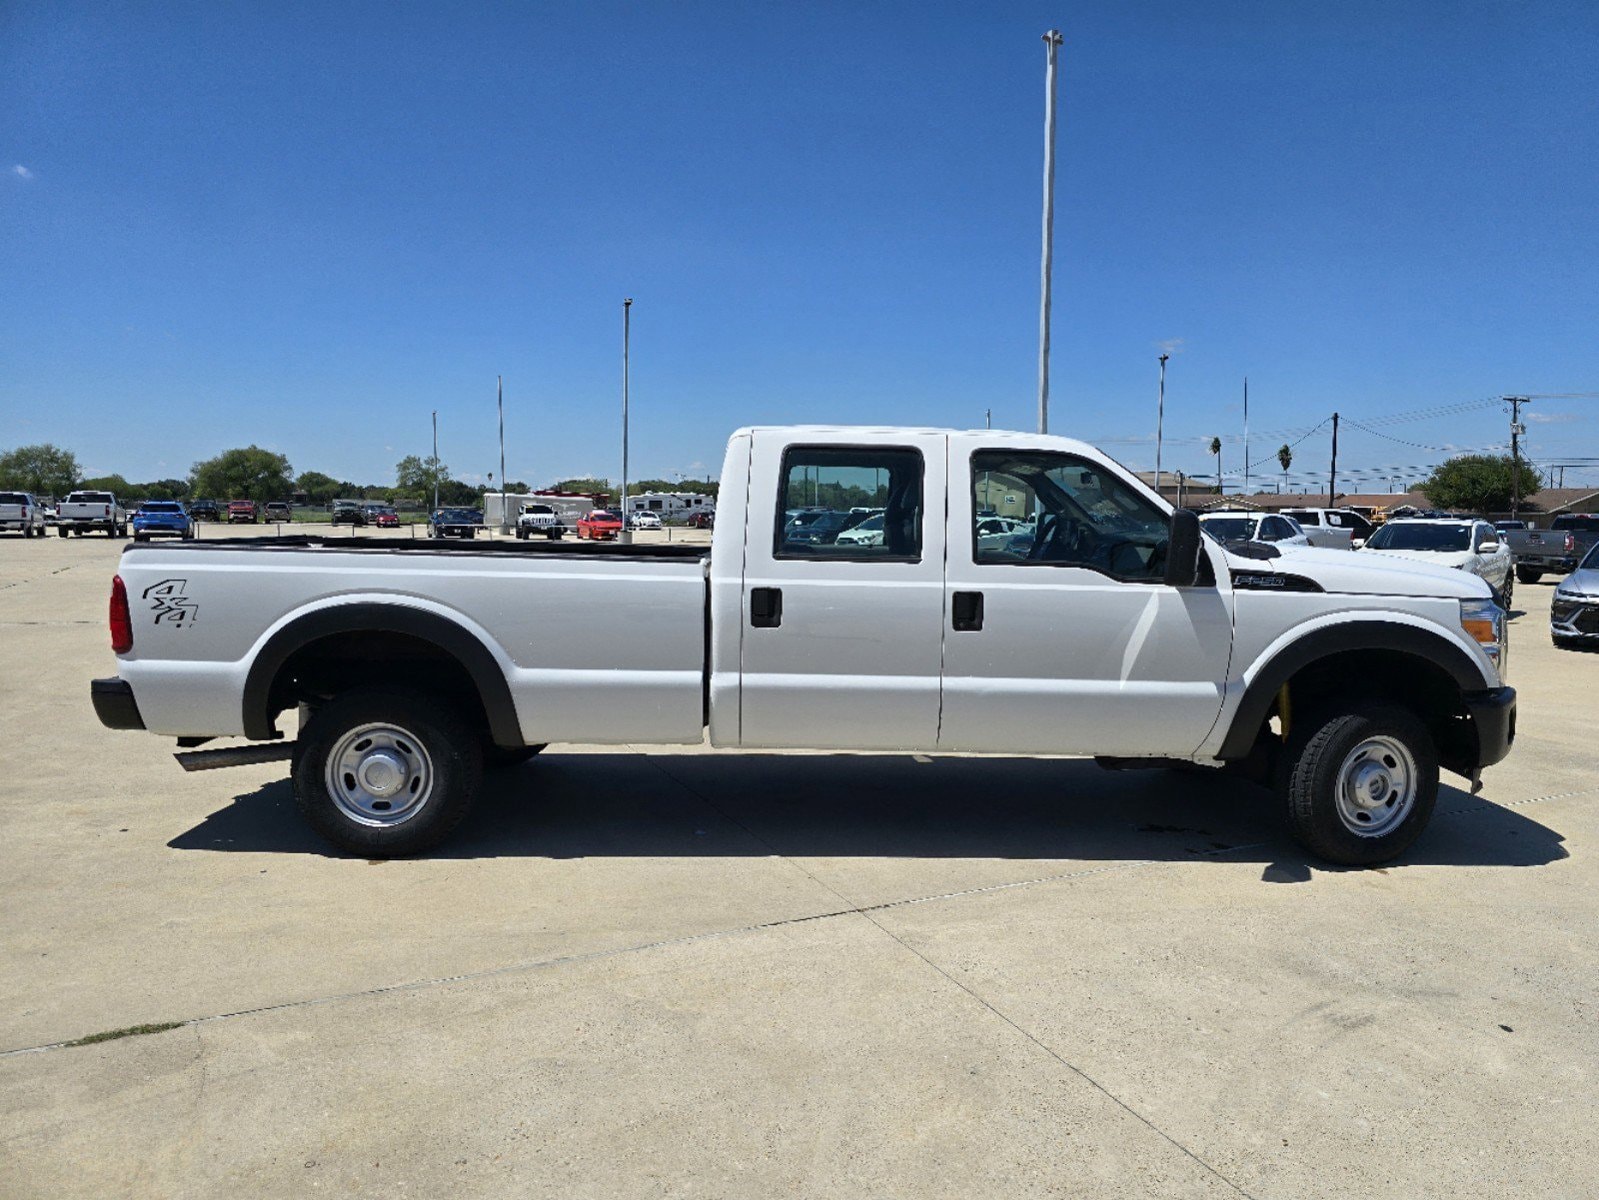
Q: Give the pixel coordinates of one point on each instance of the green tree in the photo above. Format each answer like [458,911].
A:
[418,477]
[1478,483]
[115,484]
[44,470]
[587,486]
[248,474]
[1215,448]
[1285,459]
[161,489]
[318,488]
[455,494]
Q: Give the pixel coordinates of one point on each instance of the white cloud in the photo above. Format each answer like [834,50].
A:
[1171,345]
[1543,418]
[21,172]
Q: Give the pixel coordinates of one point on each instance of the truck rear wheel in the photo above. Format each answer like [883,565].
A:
[1360,786]
[385,772]
[1528,574]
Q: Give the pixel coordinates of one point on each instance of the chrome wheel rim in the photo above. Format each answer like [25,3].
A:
[379,775]
[1376,787]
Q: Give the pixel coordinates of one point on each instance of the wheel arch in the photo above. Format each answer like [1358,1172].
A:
[1395,659]
[445,640]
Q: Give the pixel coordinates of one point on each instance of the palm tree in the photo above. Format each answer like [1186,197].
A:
[1285,456]
[1215,448]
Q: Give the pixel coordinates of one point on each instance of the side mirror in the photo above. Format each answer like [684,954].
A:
[1489,547]
[1182,549]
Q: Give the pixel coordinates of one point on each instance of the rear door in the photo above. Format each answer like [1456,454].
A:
[840,641]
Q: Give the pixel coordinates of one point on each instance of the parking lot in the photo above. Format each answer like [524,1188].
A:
[669,972]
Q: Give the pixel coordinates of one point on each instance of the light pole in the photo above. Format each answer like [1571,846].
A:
[435,463]
[505,525]
[626,534]
[1160,419]
[1052,42]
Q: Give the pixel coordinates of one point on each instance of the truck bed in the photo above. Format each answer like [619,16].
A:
[596,643]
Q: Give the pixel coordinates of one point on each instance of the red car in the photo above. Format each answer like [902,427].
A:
[702,520]
[241,512]
[599,525]
[382,516]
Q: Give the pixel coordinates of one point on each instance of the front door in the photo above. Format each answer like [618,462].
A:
[1060,636]
[843,597]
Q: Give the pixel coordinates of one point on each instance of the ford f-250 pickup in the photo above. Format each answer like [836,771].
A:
[1115,631]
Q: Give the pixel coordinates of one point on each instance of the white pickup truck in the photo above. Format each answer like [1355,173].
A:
[1113,630]
[88,512]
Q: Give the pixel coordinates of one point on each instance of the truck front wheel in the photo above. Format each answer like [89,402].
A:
[385,772]
[1360,786]
[1528,574]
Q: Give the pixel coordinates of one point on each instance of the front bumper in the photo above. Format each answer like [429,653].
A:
[114,704]
[1493,715]
[1575,618]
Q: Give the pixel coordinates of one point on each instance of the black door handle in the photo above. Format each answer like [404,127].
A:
[966,610]
[766,607]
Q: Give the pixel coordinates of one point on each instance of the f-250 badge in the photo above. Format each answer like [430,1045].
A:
[170,605]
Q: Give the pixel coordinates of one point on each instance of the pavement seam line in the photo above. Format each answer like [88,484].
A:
[866,913]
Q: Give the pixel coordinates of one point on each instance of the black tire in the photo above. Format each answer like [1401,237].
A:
[62,530]
[1507,593]
[450,746]
[496,757]
[1528,574]
[555,534]
[1317,753]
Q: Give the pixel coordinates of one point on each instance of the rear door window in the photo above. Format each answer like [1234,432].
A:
[820,485]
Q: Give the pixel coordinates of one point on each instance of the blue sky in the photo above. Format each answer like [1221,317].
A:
[308,226]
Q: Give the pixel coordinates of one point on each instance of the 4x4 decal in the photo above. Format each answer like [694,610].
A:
[169,604]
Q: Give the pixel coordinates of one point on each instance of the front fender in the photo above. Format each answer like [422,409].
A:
[1257,686]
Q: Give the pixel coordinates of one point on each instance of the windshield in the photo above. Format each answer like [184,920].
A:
[599,514]
[1413,535]
[159,506]
[89,498]
[1577,524]
[1229,529]
[12,498]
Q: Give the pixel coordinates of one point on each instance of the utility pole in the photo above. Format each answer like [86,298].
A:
[1332,475]
[1052,41]
[505,525]
[435,463]
[1516,430]
[1160,419]
[1246,435]
[988,418]
[626,534]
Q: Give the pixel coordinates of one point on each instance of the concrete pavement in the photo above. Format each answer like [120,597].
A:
[683,973]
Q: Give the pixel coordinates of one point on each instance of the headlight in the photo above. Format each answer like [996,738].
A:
[1484,623]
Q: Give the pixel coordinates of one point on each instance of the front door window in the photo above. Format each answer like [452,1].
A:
[1068,512]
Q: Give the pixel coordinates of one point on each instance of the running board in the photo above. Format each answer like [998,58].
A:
[235,756]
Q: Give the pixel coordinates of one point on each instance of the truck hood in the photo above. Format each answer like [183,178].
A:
[1366,573]
[1580,585]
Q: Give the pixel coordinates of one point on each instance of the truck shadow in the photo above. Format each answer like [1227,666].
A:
[566,806]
